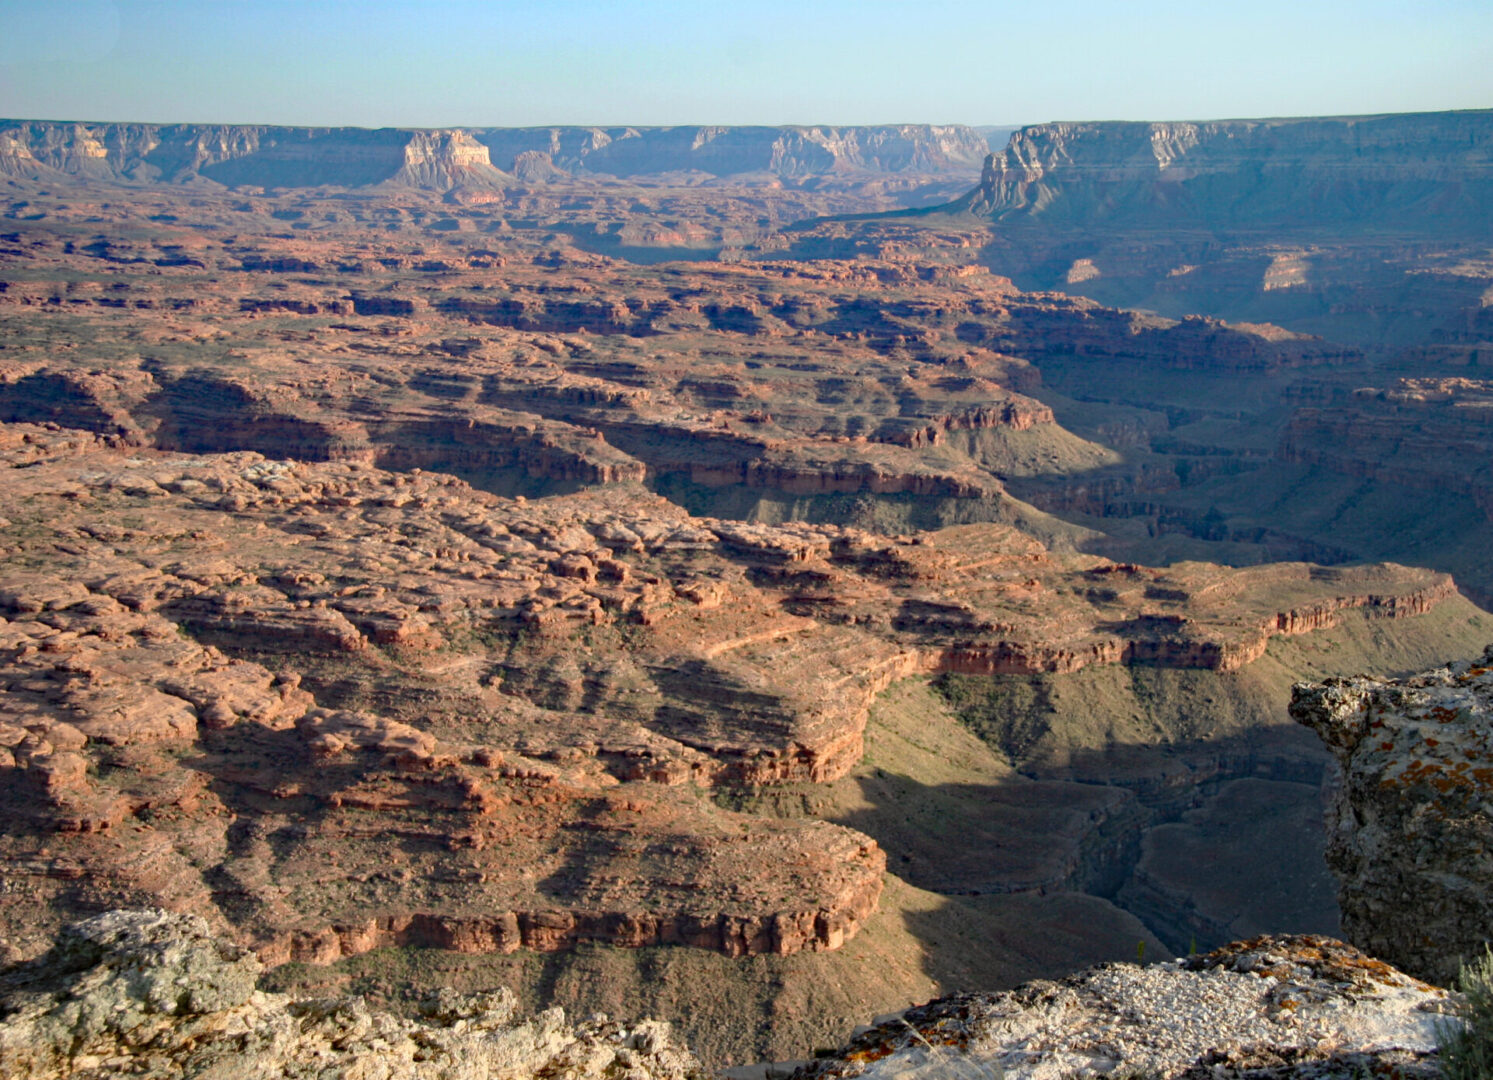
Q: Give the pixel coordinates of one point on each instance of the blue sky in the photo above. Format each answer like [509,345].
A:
[378,62]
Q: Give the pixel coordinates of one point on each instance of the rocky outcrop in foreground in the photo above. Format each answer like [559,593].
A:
[1270,1007]
[153,995]
[1412,827]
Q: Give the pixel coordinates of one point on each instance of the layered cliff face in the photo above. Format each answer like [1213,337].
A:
[1415,432]
[1422,171]
[441,160]
[522,842]
[792,153]
[1370,230]
[1411,838]
[526,693]
[246,156]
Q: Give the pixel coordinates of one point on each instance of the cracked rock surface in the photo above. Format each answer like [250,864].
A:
[1411,839]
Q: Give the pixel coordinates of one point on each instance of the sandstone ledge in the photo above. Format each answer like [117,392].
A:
[339,708]
[837,918]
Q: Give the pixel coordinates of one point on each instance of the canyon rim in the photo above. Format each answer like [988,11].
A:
[745,580]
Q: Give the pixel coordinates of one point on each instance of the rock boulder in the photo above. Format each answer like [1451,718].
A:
[1411,836]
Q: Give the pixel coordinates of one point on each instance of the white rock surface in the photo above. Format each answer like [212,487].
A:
[1297,1006]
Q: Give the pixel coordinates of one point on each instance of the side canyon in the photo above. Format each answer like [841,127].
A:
[530,558]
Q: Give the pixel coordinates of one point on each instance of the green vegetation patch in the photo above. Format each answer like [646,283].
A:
[1010,714]
[1467,1043]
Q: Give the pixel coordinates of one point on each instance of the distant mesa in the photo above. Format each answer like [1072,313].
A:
[783,152]
[1405,170]
[536,167]
[1421,170]
[246,156]
[444,160]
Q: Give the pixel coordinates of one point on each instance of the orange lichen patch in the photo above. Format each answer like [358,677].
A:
[1280,957]
[947,1023]
[864,1055]
[1410,826]
[1444,776]
[1415,772]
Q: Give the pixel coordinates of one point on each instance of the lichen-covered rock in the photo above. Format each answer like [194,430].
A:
[150,994]
[1412,824]
[1271,1007]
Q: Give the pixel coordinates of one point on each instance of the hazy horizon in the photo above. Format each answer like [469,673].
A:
[977,127]
[656,63]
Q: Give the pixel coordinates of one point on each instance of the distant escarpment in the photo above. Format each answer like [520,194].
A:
[1411,838]
[443,160]
[1416,170]
[245,156]
[1368,230]
[788,152]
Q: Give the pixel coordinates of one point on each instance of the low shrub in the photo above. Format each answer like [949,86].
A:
[1467,1047]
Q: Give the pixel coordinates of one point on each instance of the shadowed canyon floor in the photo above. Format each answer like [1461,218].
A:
[425,599]
[340,710]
